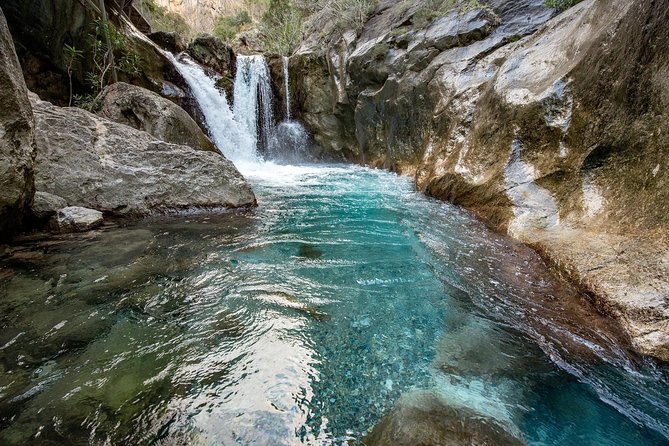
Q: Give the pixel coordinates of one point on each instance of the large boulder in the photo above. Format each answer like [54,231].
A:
[17,148]
[147,111]
[76,219]
[96,163]
[212,52]
[170,41]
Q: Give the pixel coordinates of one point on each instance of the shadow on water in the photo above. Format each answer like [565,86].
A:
[346,309]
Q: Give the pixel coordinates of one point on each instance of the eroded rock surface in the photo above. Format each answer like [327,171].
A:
[17,147]
[99,164]
[147,111]
[553,128]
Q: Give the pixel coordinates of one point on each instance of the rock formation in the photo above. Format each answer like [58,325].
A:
[147,111]
[76,219]
[99,164]
[551,128]
[17,148]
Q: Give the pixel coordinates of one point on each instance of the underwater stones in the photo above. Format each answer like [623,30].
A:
[46,204]
[76,219]
[309,251]
[422,418]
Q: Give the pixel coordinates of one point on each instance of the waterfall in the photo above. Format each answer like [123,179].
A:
[248,127]
[253,98]
[231,137]
[286,86]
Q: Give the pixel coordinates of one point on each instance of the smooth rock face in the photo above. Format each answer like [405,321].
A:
[17,146]
[76,219]
[45,205]
[99,164]
[554,129]
[145,110]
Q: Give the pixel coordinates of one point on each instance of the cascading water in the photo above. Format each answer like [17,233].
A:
[253,98]
[286,86]
[289,142]
[231,137]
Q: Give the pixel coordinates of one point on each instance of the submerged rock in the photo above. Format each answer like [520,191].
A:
[99,164]
[76,219]
[422,418]
[17,146]
[147,111]
[309,251]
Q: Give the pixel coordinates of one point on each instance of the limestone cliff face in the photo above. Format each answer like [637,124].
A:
[554,129]
[17,144]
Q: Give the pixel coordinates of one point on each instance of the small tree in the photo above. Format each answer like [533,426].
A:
[281,27]
[72,54]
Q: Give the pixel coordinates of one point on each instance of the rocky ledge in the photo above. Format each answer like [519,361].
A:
[95,163]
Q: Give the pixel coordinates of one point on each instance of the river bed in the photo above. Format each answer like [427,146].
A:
[343,300]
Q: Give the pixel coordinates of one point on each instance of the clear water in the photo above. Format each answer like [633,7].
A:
[302,322]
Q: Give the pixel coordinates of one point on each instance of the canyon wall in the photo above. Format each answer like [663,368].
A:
[551,127]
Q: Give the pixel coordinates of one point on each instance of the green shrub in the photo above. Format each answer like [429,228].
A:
[561,5]
[163,20]
[227,27]
[281,28]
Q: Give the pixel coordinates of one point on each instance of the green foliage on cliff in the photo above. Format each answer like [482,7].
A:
[72,55]
[281,27]
[561,5]
[163,20]
[227,27]
[106,51]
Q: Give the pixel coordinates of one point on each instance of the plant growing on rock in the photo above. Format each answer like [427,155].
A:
[163,20]
[227,27]
[109,51]
[281,27]
[561,5]
[72,54]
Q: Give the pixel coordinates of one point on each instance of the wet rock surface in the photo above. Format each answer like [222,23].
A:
[169,41]
[212,52]
[147,111]
[99,164]
[17,146]
[552,128]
